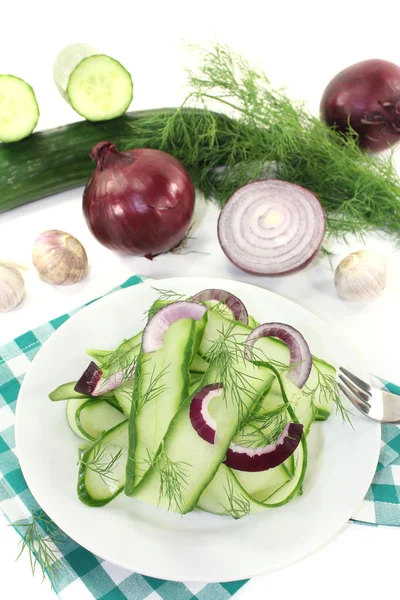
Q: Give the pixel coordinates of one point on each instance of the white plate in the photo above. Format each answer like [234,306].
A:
[197,547]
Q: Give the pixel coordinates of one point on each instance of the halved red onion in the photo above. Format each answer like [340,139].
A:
[271,227]
[232,302]
[153,334]
[200,416]
[299,350]
[268,457]
[92,382]
[240,457]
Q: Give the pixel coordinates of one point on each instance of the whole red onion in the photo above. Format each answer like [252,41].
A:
[140,201]
[366,95]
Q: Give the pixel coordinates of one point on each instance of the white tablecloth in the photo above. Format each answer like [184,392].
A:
[300,47]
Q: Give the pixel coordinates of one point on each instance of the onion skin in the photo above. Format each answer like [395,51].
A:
[366,95]
[139,202]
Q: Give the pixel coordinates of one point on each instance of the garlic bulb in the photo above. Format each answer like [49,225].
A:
[361,275]
[59,257]
[12,288]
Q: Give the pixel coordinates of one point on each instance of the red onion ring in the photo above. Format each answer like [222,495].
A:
[300,354]
[153,334]
[271,227]
[239,457]
[232,302]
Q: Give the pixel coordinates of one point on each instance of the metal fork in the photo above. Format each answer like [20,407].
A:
[374,403]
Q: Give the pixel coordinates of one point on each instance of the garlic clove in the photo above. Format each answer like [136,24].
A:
[59,257]
[361,275]
[12,287]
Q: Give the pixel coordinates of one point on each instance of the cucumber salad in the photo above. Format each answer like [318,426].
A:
[204,408]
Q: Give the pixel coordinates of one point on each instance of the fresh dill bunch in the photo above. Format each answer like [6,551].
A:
[39,536]
[234,127]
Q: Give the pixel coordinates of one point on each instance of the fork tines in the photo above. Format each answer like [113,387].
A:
[356,390]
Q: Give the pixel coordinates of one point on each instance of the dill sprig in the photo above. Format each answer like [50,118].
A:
[263,428]
[39,536]
[154,389]
[328,391]
[237,505]
[173,480]
[98,463]
[225,355]
[265,133]
[164,297]
[119,360]
[173,477]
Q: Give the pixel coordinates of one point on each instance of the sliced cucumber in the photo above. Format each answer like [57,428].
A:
[123,395]
[66,391]
[19,110]
[90,418]
[102,467]
[97,86]
[102,357]
[226,496]
[98,355]
[112,401]
[161,385]
[252,322]
[270,480]
[72,406]
[195,379]
[96,416]
[198,364]
[322,414]
[184,451]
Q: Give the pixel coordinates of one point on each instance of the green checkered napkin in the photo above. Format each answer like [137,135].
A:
[79,573]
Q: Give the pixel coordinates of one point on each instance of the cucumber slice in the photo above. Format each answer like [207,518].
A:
[252,322]
[102,467]
[65,391]
[72,406]
[95,417]
[201,459]
[97,86]
[322,414]
[198,364]
[90,418]
[226,496]
[161,385]
[104,356]
[19,110]
[195,379]
[123,395]
[112,401]
[270,480]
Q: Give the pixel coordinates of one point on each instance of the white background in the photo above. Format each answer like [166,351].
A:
[301,46]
